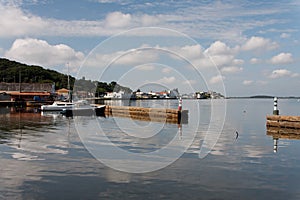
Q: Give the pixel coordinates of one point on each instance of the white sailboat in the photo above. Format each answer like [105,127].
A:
[60,105]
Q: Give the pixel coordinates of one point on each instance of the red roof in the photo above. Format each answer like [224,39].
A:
[15,93]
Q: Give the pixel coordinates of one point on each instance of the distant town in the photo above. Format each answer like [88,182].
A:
[21,82]
[46,92]
[166,94]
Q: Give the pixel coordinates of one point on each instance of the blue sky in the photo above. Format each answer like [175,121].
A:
[235,47]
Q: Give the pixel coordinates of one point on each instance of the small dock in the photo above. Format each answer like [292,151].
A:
[282,124]
[283,127]
[285,122]
[148,114]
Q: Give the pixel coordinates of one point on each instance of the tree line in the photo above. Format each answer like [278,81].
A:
[15,72]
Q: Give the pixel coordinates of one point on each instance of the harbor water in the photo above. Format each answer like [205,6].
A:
[49,156]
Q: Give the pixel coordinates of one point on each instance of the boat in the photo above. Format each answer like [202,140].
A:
[57,106]
[60,105]
[91,110]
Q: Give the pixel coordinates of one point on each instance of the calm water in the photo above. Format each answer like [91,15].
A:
[43,157]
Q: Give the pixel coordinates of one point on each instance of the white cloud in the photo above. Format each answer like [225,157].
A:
[166,80]
[278,73]
[216,79]
[259,43]
[40,52]
[166,70]
[210,18]
[282,58]
[188,52]
[247,82]
[224,57]
[262,82]
[131,57]
[146,67]
[219,48]
[255,60]
[285,35]
[118,20]
[232,69]
[149,20]
[238,62]
[14,22]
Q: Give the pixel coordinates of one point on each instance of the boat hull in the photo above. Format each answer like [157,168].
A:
[97,111]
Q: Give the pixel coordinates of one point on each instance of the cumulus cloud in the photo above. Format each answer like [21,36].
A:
[259,43]
[216,79]
[149,20]
[190,18]
[166,70]
[224,57]
[117,20]
[15,22]
[188,52]
[232,69]
[247,82]
[220,48]
[278,73]
[146,67]
[40,52]
[255,60]
[282,58]
[166,80]
[285,35]
[119,58]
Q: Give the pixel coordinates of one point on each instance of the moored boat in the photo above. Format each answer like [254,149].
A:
[84,111]
[57,106]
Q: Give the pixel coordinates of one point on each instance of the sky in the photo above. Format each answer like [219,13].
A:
[238,48]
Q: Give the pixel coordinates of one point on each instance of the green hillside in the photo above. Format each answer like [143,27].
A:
[10,71]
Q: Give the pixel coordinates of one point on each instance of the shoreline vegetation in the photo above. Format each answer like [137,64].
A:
[15,72]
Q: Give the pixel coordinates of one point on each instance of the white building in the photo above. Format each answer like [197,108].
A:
[117,95]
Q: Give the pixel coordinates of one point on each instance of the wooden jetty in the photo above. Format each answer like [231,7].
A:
[281,121]
[284,126]
[284,133]
[148,114]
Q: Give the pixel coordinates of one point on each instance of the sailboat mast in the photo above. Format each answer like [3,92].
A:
[69,93]
[68,77]
[20,80]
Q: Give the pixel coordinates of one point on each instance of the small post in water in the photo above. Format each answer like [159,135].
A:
[179,111]
[180,104]
[275,111]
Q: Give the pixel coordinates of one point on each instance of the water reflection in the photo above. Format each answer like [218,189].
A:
[29,131]
[282,133]
[51,162]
